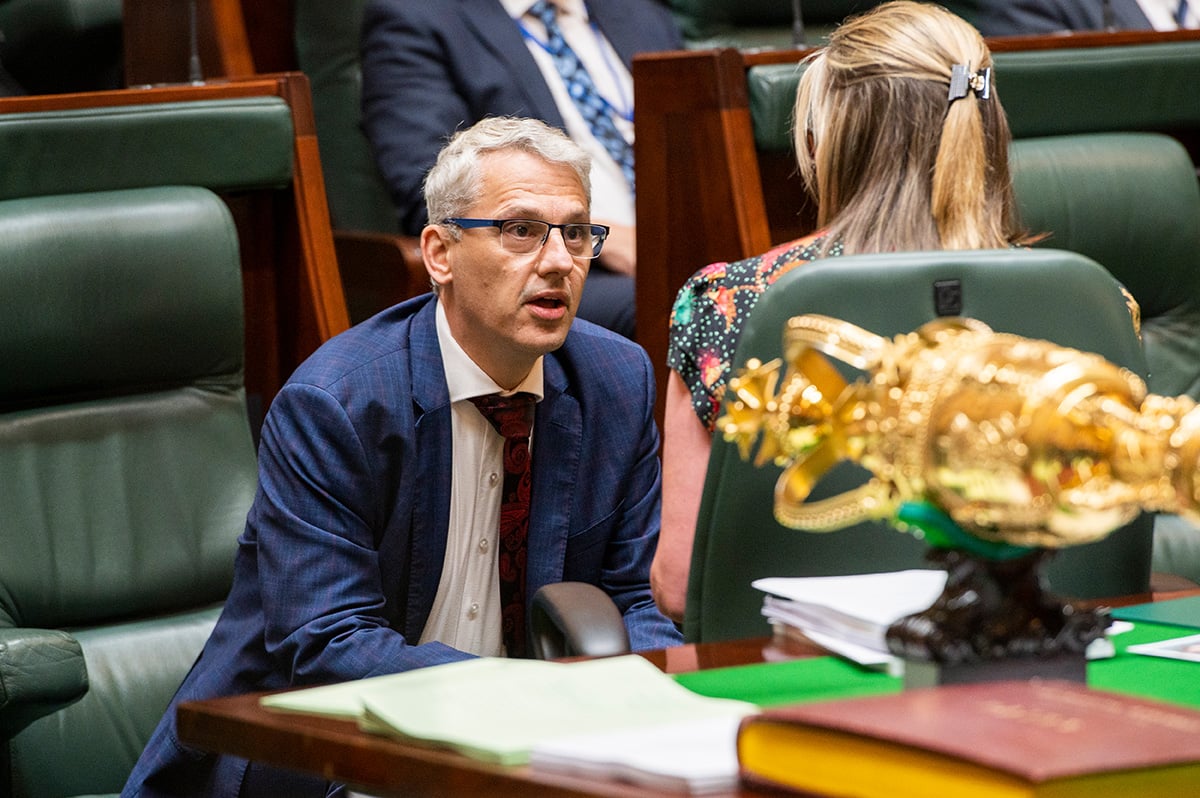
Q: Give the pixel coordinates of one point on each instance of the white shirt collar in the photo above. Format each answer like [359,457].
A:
[465,379]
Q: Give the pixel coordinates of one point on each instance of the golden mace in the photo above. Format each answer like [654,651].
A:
[1019,441]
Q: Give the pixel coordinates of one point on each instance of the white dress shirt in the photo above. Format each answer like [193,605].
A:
[1161,13]
[612,200]
[466,610]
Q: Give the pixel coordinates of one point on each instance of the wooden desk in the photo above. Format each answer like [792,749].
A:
[338,750]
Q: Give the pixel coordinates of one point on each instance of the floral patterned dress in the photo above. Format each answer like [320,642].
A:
[710,313]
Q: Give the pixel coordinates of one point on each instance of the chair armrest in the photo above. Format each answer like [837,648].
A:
[576,619]
[41,671]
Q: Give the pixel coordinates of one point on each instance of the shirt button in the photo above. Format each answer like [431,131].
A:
[493,479]
[473,611]
[483,546]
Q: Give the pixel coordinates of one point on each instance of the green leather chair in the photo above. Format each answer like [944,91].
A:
[379,266]
[1050,294]
[251,143]
[1049,92]
[126,470]
[1131,202]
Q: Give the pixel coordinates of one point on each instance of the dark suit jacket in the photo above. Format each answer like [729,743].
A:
[1021,17]
[340,560]
[436,66]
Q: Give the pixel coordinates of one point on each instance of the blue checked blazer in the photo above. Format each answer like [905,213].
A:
[342,552]
[430,68]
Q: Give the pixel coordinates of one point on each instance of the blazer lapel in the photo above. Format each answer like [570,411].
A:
[620,28]
[496,31]
[557,452]
[1128,14]
[431,438]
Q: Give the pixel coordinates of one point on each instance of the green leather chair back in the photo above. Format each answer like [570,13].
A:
[327,50]
[1048,294]
[222,145]
[126,470]
[1131,202]
[241,148]
[1147,87]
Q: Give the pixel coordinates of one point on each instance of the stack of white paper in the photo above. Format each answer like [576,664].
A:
[697,757]
[850,615]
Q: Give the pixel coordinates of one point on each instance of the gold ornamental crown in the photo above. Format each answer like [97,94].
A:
[1019,441]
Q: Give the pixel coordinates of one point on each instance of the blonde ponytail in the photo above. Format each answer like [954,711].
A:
[891,161]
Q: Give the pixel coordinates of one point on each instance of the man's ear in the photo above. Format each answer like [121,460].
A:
[435,251]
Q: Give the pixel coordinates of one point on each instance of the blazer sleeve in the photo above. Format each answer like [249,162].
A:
[318,565]
[630,550]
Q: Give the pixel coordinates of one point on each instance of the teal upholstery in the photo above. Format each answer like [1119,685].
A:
[1142,87]
[1019,291]
[126,470]
[242,148]
[53,46]
[1131,202]
[749,24]
[222,145]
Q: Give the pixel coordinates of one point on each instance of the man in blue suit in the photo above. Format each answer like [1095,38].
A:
[1029,17]
[371,546]
[432,67]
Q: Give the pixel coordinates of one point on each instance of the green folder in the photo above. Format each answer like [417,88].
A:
[1172,612]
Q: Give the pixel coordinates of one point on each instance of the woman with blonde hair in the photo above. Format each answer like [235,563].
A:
[902,142]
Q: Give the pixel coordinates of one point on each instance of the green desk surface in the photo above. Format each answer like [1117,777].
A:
[823,678]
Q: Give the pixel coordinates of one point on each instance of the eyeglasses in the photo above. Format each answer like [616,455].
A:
[523,236]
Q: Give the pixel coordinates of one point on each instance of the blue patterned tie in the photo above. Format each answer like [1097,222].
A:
[596,110]
[1181,13]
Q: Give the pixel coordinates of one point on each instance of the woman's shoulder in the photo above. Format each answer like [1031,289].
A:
[760,268]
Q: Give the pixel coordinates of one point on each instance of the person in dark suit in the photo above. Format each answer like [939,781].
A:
[1029,17]
[372,544]
[433,67]
[8,86]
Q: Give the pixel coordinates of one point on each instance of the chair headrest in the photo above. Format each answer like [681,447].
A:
[1129,201]
[117,291]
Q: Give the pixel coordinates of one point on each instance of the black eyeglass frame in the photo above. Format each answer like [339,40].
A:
[599,232]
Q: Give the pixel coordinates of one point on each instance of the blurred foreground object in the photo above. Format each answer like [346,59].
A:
[992,447]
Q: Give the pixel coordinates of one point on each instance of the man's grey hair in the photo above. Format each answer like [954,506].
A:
[453,184]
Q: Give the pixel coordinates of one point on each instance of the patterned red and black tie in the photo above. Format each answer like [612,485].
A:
[512,416]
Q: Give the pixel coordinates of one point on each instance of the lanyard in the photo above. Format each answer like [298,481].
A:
[625,110]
